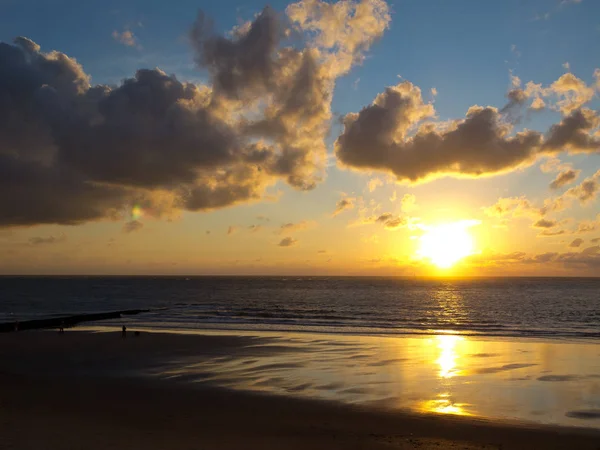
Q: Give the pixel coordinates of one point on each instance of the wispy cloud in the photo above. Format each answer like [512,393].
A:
[298,226]
[126,37]
[343,204]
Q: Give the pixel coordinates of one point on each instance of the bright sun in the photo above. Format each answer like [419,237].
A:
[447,243]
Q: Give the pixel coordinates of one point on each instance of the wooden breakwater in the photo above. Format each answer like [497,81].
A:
[67,321]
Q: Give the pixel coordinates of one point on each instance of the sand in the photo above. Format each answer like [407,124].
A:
[97,391]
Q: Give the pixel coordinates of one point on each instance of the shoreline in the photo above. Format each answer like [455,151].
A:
[185,387]
[145,414]
[550,338]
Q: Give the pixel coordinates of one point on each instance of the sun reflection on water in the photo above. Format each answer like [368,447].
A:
[448,355]
[445,405]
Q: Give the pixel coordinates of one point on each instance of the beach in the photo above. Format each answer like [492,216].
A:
[172,390]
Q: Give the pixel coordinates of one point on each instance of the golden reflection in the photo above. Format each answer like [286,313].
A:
[445,405]
[448,355]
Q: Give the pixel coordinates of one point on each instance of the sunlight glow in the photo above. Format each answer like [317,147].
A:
[445,405]
[447,358]
[446,244]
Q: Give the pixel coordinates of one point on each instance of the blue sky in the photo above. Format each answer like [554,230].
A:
[466,50]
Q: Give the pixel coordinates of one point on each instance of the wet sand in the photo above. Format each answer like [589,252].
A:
[84,390]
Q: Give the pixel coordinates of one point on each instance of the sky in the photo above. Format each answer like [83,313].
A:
[357,137]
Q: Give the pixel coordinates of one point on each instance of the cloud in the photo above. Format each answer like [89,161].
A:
[38,240]
[565,177]
[544,223]
[263,218]
[343,30]
[588,226]
[587,191]
[515,51]
[595,240]
[343,205]
[125,37]
[287,242]
[73,152]
[374,183]
[550,233]
[537,104]
[255,228]
[397,134]
[132,226]
[377,139]
[572,91]
[553,164]
[512,206]
[591,250]
[408,203]
[567,94]
[232,230]
[576,243]
[389,221]
[299,226]
[573,133]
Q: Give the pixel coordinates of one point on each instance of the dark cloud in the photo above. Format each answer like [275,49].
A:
[573,133]
[232,229]
[591,250]
[387,219]
[287,242]
[545,223]
[390,221]
[595,240]
[565,177]
[72,152]
[255,228]
[587,190]
[38,240]
[244,64]
[547,233]
[396,134]
[516,99]
[576,243]
[132,226]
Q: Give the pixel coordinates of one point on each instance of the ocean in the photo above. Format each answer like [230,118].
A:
[545,307]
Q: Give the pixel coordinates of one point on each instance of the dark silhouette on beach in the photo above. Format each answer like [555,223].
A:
[66,321]
[124,332]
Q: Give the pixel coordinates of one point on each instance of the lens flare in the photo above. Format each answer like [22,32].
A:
[137,212]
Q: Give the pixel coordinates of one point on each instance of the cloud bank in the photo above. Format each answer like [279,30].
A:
[73,152]
[398,134]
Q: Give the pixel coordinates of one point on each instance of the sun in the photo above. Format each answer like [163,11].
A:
[446,244]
